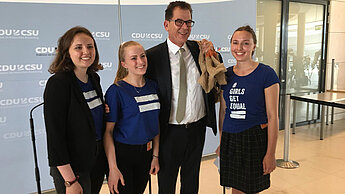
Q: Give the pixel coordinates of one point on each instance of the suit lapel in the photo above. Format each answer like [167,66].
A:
[194,49]
[165,72]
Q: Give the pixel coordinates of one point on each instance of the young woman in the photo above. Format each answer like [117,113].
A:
[74,115]
[131,139]
[248,119]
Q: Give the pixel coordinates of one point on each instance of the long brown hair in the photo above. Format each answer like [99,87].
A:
[62,61]
[121,71]
[249,29]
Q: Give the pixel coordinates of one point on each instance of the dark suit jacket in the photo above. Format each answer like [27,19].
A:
[160,71]
[71,134]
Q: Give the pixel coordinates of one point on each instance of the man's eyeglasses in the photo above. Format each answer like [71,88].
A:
[179,22]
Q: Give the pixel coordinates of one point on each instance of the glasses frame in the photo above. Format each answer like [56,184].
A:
[190,22]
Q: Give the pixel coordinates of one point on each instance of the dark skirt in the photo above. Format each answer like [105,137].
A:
[241,156]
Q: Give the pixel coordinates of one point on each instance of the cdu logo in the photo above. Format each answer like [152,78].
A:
[22,134]
[16,134]
[45,51]
[3,120]
[20,101]
[1,85]
[232,61]
[42,83]
[146,36]
[19,34]
[20,68]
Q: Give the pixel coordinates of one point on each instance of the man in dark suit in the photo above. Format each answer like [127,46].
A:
[186,109]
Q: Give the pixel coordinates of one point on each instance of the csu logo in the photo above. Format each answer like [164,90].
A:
[101,35]
[21,101]
[142,35]
[21,34]
[223,49]
[199,36]
[20,68]
[107,65]
[22,134]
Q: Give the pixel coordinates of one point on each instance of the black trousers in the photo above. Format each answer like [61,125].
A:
[134,162]
[92,181]
[181,146]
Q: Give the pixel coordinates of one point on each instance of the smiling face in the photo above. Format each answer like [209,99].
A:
[135,60]
[242,46]
[178,35]
[82,51]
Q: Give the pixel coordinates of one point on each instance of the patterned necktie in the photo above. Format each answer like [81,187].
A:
[181,103]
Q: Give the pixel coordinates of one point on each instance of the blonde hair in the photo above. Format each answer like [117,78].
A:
[121,71]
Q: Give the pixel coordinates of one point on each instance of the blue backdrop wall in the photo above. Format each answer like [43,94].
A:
[28,37]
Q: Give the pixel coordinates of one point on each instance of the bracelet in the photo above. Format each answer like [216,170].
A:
[70,183]
[155,156]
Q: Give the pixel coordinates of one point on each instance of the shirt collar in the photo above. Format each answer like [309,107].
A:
[174,48]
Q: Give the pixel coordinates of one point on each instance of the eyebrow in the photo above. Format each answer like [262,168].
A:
[135,55]
[243,40]
[79,44]
[183,19]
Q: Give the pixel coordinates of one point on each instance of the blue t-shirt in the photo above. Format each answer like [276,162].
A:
[95,105]
[245,98]
[135,112]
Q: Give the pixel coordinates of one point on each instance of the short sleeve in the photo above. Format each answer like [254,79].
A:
[112,99]
[271,77]
[227,77]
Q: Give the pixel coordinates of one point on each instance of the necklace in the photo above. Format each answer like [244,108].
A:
[137,89]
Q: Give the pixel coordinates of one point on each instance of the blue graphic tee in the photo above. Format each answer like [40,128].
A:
[95,105]
[245,98]
[134,110]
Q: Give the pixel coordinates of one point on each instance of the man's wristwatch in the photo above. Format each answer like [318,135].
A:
[70,183]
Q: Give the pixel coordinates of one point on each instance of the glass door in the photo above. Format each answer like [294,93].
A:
[268,32]
[304,64]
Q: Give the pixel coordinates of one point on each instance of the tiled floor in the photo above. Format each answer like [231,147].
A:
[322,164]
